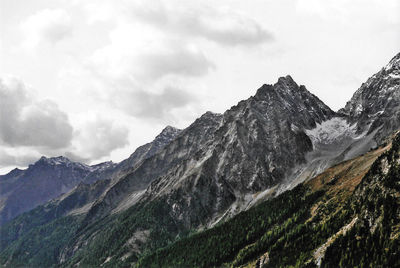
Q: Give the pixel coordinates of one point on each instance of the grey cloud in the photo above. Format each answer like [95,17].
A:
[237,36]
[56,33]
[77,158]
[178,60]
[156,106]
[24,122]
[12,160]
[204,22]
[98,139]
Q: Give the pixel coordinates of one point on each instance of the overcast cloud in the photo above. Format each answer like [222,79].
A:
[221,25]
[153,106]
[106,76]
[98,138]
[49,25]
[26,122]
[7,159]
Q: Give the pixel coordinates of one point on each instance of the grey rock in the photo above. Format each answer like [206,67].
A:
[375,105]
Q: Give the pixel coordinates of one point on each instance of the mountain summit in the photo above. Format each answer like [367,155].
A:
[375,105]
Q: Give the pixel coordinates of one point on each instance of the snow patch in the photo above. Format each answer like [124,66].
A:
[394,76]
[332,131]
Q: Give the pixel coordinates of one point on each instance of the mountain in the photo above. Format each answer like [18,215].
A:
[375,105]
[368,118]
[209,172]
[128,189]
[48,178]
[347,216]
[147,150]
[199,147]
[22,190]
[256,146]
[281,164]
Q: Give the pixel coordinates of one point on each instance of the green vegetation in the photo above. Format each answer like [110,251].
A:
[108,246]
[266,227]
[283,228]
[41,246]
[374,241]
[24,223]
[361,248]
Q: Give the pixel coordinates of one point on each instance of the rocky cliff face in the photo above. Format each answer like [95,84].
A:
[257,145]
[128,189]
[375,105]
[220,159]
[346,216]
[368,118]
[149,149]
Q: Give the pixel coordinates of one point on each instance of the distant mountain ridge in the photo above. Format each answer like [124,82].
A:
[48,178]
[23,190]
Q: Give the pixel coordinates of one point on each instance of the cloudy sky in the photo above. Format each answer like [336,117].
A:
[94,79]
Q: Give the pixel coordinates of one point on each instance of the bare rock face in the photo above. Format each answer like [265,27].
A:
[220,161]
[129,188]
[375,105]
[372,114]
[256,146]
[149,149]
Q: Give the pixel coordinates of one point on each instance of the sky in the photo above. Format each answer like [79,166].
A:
[93,80]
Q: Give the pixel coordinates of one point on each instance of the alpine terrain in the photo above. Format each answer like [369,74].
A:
[277,180]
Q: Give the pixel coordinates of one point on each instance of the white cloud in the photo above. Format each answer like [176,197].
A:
[158,106]
[156,47]
[222,25]
[97,138]
[49,25]
[141,53]
[147,63]
[30,128]
[346,11]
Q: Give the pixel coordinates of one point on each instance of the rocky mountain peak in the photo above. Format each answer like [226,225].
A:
[211,116]
[168,133]
[292,103]
[375,105]
[286,81]
[394,64]
[205,120]
[15,171]
[59,160]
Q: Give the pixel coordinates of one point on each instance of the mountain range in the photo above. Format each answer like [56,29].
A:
[273,171]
